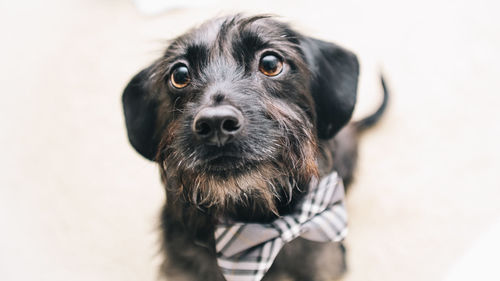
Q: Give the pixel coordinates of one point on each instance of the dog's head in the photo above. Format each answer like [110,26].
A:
[234,108]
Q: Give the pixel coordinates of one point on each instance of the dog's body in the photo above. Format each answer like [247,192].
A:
[240,113]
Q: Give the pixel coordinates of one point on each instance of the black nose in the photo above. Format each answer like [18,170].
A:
[218,125]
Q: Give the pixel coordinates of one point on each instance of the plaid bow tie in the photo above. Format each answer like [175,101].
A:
[246,251]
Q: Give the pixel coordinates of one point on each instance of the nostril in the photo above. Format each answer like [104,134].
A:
[203,128]
[230,125]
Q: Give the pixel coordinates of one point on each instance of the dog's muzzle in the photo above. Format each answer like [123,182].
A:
[218,125]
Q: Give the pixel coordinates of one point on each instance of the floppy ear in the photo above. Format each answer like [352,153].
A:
[140,109]
[334,84]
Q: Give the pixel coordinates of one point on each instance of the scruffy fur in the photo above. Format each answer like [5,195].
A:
[290,121]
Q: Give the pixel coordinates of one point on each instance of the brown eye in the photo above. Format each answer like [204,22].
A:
[271,65]
[180,77]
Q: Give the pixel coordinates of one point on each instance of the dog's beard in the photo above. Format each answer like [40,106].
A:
[257,187]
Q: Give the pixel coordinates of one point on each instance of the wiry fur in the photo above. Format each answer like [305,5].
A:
[255,188]
[265,176]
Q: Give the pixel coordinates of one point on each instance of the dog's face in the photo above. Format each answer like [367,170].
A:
[234,109]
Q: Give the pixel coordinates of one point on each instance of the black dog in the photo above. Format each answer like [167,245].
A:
[240,114]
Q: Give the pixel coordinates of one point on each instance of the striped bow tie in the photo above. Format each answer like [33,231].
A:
[246,251]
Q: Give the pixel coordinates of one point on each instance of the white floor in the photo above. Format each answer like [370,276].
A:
[77,203]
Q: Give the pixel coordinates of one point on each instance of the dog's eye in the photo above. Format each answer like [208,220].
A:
[270,65]
[180,77]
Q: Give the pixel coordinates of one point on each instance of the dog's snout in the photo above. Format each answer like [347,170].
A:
[218,125]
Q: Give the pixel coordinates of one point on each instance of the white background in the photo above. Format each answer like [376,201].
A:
[78,203]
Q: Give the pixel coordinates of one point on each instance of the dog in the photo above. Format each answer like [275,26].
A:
[240,113]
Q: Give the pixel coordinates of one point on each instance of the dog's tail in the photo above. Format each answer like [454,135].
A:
[371,120]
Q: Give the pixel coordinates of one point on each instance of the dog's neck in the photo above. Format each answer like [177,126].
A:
[263,214]
[249,210]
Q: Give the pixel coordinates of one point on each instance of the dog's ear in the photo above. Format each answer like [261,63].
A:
[334,84]
[140,109]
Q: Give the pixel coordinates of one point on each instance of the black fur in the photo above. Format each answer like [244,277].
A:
[141,127]
[334,84]
[289,122]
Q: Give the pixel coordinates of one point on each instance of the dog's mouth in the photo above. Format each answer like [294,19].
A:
[227,159]
[225,162]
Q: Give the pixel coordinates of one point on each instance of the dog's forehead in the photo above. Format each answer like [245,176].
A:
[236,28]
[233,37]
